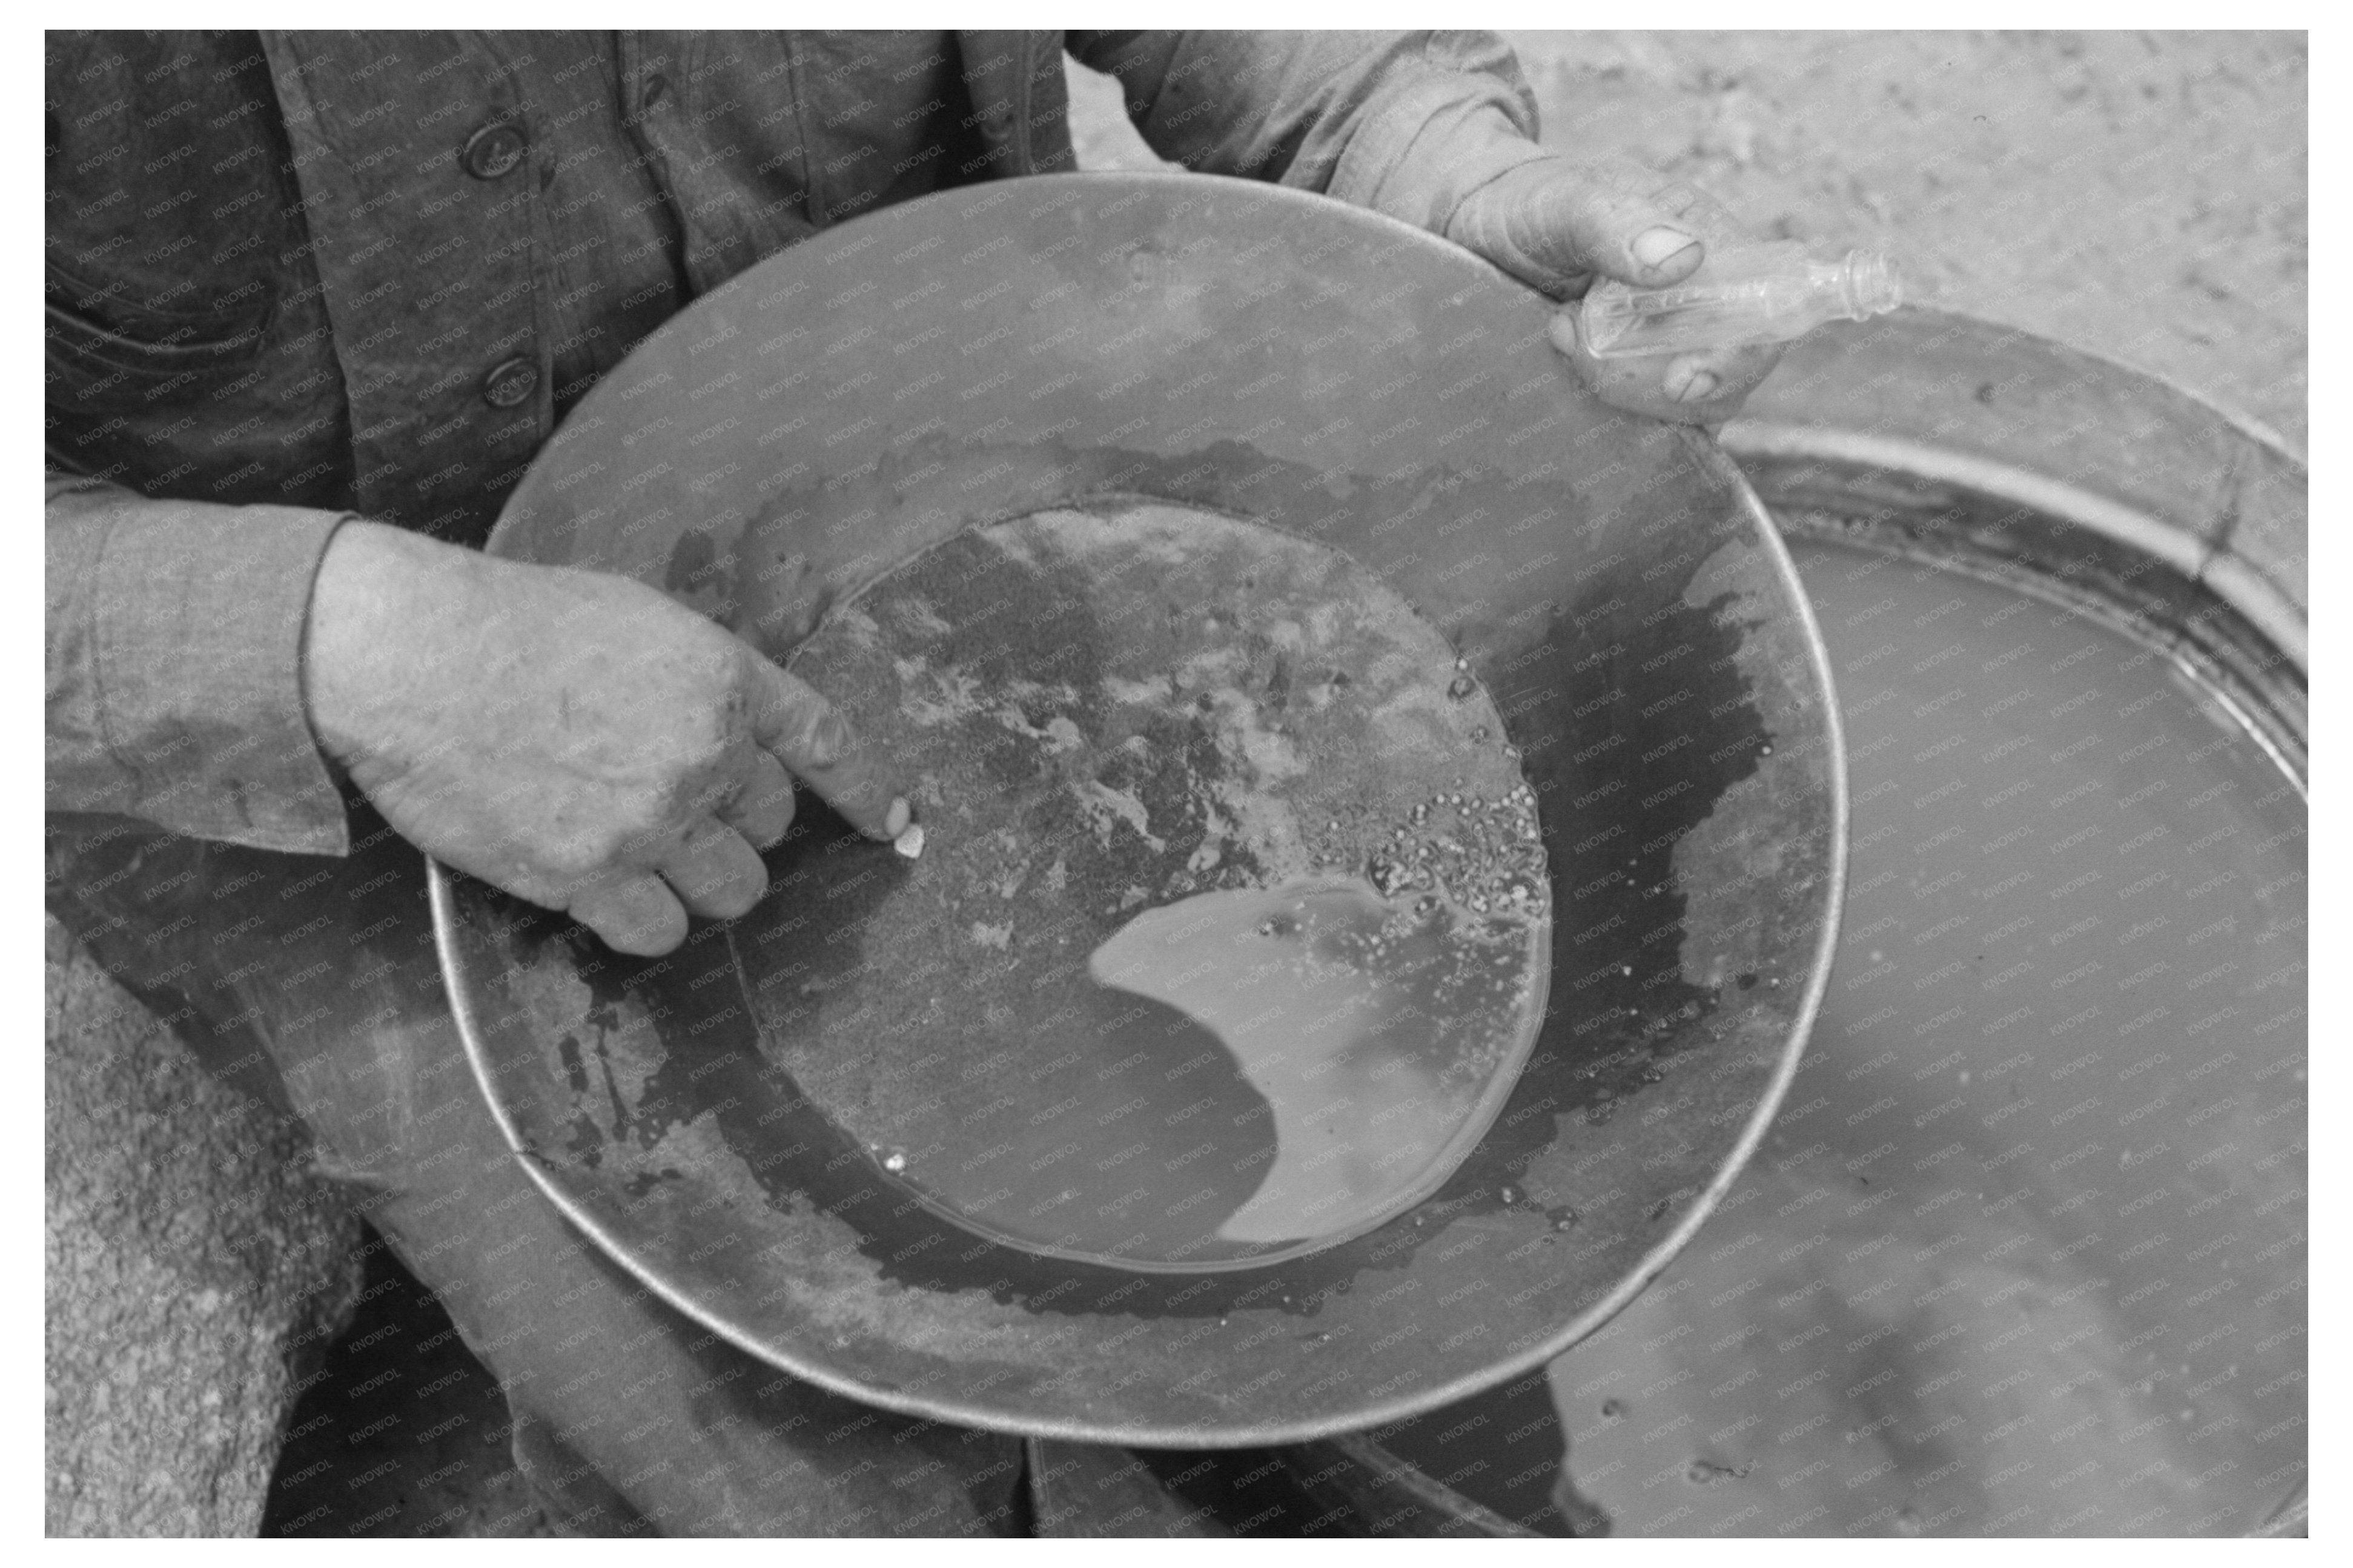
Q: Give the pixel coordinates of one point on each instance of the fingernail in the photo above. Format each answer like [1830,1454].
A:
[1656,247]
[895,821]
[1699,388]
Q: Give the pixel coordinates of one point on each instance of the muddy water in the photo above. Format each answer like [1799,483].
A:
[2025,1252]
[1230,930]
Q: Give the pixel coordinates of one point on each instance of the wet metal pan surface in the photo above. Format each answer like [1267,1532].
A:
[1231,932]
[1254,353]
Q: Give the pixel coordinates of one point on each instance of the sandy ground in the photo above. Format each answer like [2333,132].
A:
[2141,196]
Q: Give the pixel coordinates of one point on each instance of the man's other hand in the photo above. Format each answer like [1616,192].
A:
[1556,224]
[574,737]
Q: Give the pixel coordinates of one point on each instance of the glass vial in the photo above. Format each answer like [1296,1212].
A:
[1756,294]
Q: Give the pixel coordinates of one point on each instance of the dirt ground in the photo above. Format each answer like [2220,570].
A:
[2138,194]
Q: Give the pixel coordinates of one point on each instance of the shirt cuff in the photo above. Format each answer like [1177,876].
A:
[197,616]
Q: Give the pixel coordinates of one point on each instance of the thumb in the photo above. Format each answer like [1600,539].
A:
[1553,226]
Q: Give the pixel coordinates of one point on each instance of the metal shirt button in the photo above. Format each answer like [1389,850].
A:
[493,151]
[509,382]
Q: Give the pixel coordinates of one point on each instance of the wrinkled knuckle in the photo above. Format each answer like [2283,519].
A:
[706,729]
[734,685]
[701,748]
[1616,172]
[820,734]
[1680,199]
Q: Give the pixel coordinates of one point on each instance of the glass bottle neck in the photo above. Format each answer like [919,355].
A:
[1863,282]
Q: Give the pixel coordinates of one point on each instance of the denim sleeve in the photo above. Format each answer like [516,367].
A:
[175,682]
[1405,124]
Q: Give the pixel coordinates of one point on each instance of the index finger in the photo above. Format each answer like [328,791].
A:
[791,721]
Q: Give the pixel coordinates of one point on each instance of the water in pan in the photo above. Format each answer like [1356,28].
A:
[1347,1013]
[1229,935]
[2024,1254]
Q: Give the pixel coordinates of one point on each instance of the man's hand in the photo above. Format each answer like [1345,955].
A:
[572,737]
[1554,225]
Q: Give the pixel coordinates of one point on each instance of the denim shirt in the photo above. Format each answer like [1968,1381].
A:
[293,277]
